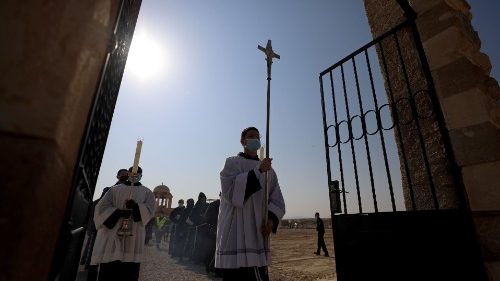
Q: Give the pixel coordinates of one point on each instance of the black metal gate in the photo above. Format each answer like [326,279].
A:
[397,202]
[65,262]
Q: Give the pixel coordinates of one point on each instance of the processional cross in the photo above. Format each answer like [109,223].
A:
[270,55]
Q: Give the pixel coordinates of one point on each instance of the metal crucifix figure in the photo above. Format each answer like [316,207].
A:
[270,54]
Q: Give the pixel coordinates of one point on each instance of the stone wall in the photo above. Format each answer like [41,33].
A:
[470,101]
[52,55]
[424,166]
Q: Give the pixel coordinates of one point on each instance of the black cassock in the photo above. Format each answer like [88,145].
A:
[197,232]
[181,232]
[174,218]
[211,216]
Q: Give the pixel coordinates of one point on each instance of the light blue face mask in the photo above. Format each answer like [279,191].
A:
[253,144]
[136,178]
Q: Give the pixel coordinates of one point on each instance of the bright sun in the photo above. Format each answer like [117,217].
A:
[146,58]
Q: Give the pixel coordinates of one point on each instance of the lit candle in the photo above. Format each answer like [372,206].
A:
[261,153]
[136,157]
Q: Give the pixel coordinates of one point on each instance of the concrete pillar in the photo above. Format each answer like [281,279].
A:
[470,101]
[52,56]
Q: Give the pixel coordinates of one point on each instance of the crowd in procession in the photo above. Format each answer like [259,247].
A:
[193,232]
[230,235]
[190,231]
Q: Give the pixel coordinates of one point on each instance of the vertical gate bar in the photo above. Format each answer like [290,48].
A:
[395,115]
[351,140]
[363,125]
[417,123]
[325,130]
[381,133]
[456,173]
[337,135]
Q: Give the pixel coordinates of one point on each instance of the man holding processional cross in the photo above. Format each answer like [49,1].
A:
[251,205]
[120,218]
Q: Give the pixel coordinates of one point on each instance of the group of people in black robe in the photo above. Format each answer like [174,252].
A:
[193,232]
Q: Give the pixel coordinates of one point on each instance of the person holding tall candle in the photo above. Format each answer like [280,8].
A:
[241,248]
[122,176]
[119,257]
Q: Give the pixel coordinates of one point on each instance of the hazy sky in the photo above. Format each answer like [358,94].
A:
[211,83]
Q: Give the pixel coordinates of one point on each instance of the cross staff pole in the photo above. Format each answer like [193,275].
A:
[270,54]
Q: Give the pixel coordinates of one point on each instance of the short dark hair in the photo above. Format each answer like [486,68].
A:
[317,214]
[121,170]
[245,131]
[139,170]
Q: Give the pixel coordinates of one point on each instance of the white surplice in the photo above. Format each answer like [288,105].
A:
[239,239]
[108,245]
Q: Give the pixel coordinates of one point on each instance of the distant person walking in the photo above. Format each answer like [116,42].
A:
[320,228]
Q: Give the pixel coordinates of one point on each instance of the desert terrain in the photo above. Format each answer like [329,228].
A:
[293,257]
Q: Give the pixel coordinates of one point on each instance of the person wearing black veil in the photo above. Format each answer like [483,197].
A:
[211,216]
[197,231]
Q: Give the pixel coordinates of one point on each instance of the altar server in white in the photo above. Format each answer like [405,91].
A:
[241,250]
[119,257]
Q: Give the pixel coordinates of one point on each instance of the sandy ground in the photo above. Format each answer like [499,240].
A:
[292,252]
[293,256]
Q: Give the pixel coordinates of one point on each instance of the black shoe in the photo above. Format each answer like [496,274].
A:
[327,255]
[316,253]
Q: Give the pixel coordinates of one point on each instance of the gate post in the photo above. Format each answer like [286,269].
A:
[469,99]
[52,56]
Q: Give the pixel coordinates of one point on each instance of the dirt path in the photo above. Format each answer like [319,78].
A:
[158,266]
[293,260]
